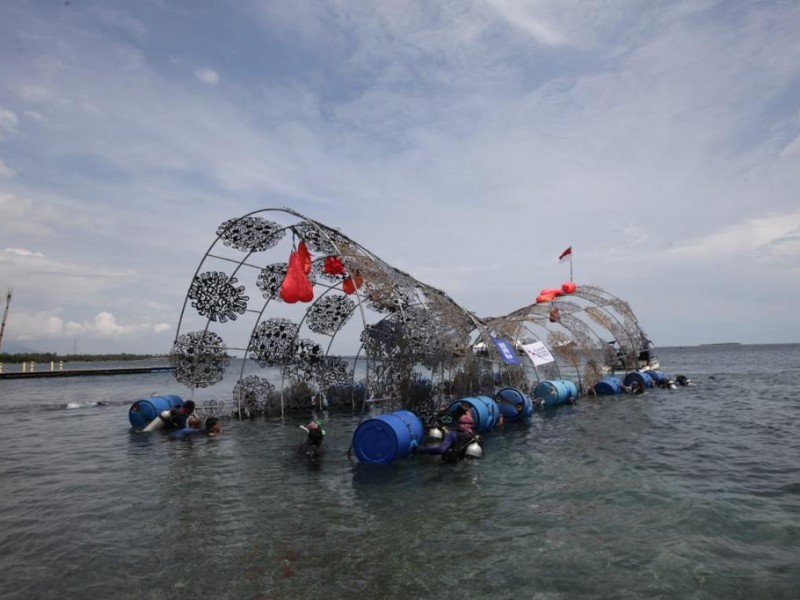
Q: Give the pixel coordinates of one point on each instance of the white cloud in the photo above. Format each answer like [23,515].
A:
[469,130]
[774,237]
[206,75]
[528,18]
[26,327]
[8,122]
[22,252]
[6,172]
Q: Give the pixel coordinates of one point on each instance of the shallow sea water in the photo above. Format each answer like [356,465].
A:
[689,493]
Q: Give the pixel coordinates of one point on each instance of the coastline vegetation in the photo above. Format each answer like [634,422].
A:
[44,357]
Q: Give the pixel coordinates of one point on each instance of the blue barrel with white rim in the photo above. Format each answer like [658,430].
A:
[513,404]
[643,379]
[552,393]
[485,411]
[142,412]
[385,438]
[608,386]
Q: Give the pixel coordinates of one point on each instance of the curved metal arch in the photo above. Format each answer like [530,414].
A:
[384,289]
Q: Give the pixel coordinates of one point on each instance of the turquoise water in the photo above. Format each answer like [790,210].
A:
[691,493]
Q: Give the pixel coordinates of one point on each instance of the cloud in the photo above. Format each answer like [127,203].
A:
[471,130]
[22,252]
[206,75]
[25,327]
[6,172]
[768,238]
[8,122]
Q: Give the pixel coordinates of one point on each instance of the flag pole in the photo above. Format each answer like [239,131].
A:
[570,266]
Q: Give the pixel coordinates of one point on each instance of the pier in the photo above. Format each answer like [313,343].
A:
[85,372]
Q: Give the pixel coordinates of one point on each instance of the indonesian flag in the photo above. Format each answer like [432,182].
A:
[566,254]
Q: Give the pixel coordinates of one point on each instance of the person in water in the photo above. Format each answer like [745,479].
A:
[213,426]
[312,447]
[455,443]
[178,416]
[194,427]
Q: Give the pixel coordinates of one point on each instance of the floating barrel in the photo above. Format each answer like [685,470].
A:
[658,377]
[608,386]
[384,438]
[643,379]
[555,393]
[513,404]
[144,411]
[485,411]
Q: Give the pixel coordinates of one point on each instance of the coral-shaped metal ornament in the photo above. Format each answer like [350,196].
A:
[200,358]
[250,234]
[328,314]
[273,342]
[215,296]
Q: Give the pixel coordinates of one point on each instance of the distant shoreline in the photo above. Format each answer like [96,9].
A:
[722,344]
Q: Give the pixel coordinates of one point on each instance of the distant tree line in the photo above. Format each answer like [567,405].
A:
[46,357]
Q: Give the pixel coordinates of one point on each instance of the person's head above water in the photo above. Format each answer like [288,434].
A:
[188,407]
[213,426]
[315,433]
[466,422]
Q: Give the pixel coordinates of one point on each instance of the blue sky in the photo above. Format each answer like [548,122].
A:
[466,142]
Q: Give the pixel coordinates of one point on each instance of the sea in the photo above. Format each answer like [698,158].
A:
[686,493]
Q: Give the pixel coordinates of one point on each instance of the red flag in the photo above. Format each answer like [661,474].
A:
[566,254]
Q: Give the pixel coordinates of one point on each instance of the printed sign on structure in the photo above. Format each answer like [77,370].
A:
[506,351]
[539,353]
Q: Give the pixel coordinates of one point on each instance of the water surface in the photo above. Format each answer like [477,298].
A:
[692,493]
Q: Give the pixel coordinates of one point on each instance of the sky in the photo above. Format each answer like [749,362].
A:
[467,142]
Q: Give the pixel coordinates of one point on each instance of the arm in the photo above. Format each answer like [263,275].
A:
[446,444]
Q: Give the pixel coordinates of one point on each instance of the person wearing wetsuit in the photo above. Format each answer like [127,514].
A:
[211,428]
[454,445]
[178,416]
[312,447]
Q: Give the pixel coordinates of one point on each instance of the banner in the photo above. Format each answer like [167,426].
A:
[506,351]
[539,353]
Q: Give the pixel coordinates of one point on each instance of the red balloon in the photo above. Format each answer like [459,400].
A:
[333,266]
[351,284]
[296,287]
[305,257]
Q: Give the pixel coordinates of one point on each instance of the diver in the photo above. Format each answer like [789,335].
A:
[458,443]
[177,417]
[193,427]
[437,424]
[312,447]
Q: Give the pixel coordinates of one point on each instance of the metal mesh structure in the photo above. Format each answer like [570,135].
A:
[371,332]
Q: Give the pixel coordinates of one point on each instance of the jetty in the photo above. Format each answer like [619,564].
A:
[85,372]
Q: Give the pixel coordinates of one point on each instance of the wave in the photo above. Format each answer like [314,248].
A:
[32,408]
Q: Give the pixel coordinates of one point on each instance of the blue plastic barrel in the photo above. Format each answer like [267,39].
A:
[144,411]
[643,379]
[382,439]
[658,376]
[513,404]
[485,411]
[555,393]
[608,386]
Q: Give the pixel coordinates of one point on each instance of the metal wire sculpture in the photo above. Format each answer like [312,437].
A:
[371,333]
